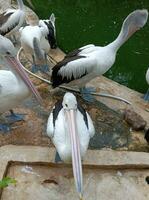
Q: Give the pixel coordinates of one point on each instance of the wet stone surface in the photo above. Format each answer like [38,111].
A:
[111,130]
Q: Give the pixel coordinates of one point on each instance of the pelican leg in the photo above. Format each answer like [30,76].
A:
[45,67]
[146,96]
[57,158]
[41,68]
[35,68]
[86,93]
[14,117]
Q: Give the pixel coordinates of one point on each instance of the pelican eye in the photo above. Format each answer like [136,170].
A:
[8,53]
[66,105]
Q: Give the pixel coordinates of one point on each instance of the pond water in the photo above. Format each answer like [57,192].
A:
[81,22]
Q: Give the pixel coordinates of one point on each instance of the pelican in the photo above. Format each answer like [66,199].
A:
[70,128]
[146,96]
[12,19]
[15,85]
[90,61]
[37,41]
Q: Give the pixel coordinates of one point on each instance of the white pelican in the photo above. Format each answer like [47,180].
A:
[12,19]
[70,128]
[37,41]
[88,62]
[15,85]
[146,96]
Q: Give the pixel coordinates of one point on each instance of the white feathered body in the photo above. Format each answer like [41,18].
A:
[28,33]
[14,22]
[12,91]
[99,59]
[96,61]
[61,136]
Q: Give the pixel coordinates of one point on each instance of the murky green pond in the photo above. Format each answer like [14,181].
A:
[81,22]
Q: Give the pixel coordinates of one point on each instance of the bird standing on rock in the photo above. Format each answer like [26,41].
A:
[90,61]
[70,128]
[15,85]
[37,41]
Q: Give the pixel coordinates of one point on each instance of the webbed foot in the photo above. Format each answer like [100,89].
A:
[57,158]
[41,68]
[13,117]
[4,128]
[146,96]
[86,93]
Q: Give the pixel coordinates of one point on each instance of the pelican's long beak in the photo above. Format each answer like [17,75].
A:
[18,68]
[76,157]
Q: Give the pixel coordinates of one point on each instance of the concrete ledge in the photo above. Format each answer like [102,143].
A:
[95,158]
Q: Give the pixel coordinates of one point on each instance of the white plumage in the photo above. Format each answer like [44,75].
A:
[59,133]
[12,19]
[90,63]
[28,34]
[12,91]
[14,83]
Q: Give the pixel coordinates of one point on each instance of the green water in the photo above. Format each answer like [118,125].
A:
[81,22]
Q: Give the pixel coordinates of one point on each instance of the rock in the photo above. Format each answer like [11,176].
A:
[136,122]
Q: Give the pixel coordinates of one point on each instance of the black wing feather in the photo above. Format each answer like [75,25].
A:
[8,30]
[83,111]
[56,110]
[56,78]
[51,37]
[3,19]
[73,53]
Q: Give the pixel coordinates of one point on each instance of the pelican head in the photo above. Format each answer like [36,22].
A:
[70,107]
[7,50]
[6,47]
[138,17]
[69,102]
[50,24]
[135,21]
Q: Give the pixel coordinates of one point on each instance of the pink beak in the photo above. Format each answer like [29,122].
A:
[76,157]
[18,68]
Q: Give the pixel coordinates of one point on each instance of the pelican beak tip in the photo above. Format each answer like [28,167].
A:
[81,197]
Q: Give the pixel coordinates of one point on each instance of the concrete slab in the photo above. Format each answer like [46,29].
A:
[107,174]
